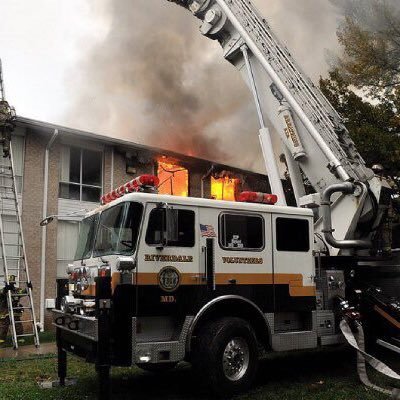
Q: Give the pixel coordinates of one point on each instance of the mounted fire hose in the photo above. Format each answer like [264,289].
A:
[353,331]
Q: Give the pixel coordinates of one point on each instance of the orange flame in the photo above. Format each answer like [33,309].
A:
[224,188]
[174,179]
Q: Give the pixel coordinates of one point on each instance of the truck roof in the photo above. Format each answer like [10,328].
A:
[206,203]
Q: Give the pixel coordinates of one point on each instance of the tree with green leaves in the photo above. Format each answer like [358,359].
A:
[374,127]
[370,39]
[364,83]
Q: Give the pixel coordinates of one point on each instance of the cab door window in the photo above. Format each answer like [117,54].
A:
[292,234]
[241,232]
[157,225]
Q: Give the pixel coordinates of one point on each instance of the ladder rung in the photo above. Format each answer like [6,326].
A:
[22,308]
[26,334]
[19,294]
[24,321]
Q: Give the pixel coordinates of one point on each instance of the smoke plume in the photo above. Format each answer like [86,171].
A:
[155,80]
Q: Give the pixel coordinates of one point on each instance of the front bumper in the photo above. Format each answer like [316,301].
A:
[81,333]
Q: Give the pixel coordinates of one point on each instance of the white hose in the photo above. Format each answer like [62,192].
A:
[358,343]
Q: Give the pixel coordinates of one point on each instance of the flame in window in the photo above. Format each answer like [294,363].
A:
[174,179]
[224,188]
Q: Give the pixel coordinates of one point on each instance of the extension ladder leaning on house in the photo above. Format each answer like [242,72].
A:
[14,271]
[15,283]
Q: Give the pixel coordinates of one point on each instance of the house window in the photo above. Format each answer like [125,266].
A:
[18,149]
[292,234]
[241,232]
[174,179]
[224,188]
[81,174]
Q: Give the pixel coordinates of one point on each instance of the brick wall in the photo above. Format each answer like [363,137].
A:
[120,175]
[32,196]
[51,238]
[32,209]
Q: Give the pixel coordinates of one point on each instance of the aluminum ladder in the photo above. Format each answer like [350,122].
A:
[13,262]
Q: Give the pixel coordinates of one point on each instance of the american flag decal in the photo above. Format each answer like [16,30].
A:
[207,231]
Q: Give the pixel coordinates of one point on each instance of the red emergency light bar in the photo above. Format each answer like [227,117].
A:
[135,185]
[257,197]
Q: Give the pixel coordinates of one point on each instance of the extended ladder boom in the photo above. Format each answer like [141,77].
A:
[300,134]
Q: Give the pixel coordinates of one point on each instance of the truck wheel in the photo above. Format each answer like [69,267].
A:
[157,368]
[226,355]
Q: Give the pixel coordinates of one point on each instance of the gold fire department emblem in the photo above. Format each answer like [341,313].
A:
[169,279]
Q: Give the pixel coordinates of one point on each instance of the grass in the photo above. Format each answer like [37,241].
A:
[303,376]
[44,337]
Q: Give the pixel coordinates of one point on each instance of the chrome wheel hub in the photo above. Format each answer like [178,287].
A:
[236,359]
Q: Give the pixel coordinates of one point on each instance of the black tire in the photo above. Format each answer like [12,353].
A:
[157,368]
[214,342]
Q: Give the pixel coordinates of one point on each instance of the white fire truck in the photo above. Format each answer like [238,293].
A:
[161,279]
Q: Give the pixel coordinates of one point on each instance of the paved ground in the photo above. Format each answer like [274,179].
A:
[27,351]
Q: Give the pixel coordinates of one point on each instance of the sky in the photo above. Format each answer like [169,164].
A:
[140,70]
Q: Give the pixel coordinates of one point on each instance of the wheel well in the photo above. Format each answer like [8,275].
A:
[239,308]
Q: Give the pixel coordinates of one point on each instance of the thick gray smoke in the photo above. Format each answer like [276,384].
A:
[156,80]
[373,15]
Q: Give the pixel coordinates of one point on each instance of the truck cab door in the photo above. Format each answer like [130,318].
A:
[294,268]
[168,267]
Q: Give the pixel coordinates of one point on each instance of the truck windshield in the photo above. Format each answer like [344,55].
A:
[87,232]
[118,229]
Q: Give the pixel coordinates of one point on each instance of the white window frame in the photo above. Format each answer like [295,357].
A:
[19,177]
[80,184]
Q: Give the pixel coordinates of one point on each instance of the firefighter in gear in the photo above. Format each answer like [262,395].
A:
[7,125]
[4,320]
[4,312]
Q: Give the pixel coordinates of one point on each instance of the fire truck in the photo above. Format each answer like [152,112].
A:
[162,279]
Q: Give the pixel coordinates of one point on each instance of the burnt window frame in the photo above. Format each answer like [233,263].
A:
[242,214]
[296,218]
[168,245]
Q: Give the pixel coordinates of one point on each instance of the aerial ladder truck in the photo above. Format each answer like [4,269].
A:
[160,279]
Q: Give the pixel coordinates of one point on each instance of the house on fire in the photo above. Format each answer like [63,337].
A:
[62,171]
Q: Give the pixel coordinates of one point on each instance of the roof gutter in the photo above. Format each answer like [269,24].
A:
[44,230]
